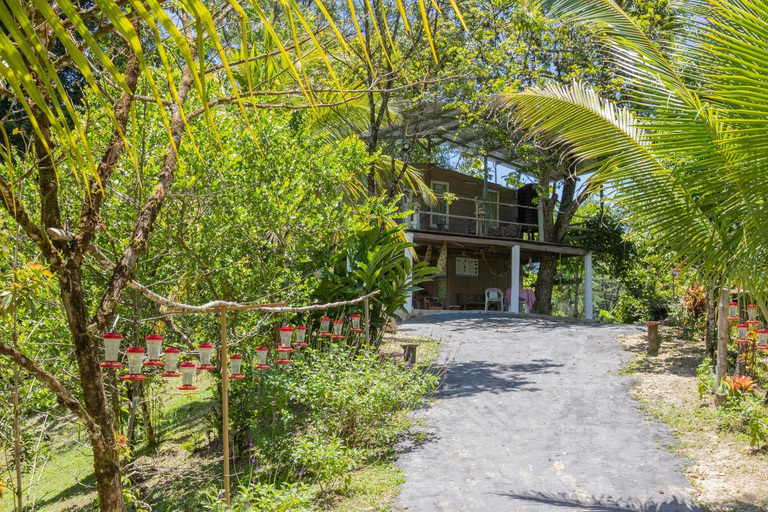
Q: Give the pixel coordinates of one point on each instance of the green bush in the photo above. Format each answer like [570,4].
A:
[706,378]
[319,418]
[325,458]
[261,497]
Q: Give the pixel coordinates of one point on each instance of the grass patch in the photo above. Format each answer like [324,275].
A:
[727,475]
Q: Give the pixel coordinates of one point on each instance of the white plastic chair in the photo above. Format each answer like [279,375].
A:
[494,295]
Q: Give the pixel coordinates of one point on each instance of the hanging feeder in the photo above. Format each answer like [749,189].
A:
[261,358]
[154,342]
[762,337]
[325,327]
[187,376]
[733,311]
[752,311]
[337,325]
[171,356]
[742,329]
[356,323]
[111,350]
[135,357]
[283,355]
[235,363]
[206,349]
[286,333]
[301,334]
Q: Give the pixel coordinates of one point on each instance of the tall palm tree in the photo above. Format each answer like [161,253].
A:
[71,72]
[687,153]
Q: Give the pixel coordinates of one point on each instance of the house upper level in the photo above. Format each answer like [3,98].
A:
[462,209]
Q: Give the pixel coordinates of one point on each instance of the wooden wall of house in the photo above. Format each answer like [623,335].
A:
[466,186]
[493,272]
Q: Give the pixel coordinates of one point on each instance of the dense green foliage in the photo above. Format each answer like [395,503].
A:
[317,420]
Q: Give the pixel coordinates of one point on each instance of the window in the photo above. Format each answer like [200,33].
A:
[440,212]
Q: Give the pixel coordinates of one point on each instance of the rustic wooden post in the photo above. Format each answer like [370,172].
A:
[741,359]
[723,333]
[409,353]
[654,342]
[224,402]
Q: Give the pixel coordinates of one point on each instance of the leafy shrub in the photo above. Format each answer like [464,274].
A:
[738,385]
[378,261]
[325,458]
[261,497]
[321,415]
[706,378]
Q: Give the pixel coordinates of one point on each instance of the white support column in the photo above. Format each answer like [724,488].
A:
[540,207]
[409,255]
[588,286]
[514,298]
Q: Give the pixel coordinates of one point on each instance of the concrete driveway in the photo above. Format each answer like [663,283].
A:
[533,417]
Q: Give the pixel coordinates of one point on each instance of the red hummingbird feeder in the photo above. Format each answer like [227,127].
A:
[286,335]
[205,351]
[235,363]
[356,323]
[337,325]
[187,376]
[742,330]
[154,343]
[171,356]
[135,357]
[762,337]
[733,311]
[261,358]
[325,327]
[111,350]
[283,354]
[301,335]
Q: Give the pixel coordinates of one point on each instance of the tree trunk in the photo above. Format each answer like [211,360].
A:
[545,283]
[723,332]
[741,362]
[709,328]
[106,460]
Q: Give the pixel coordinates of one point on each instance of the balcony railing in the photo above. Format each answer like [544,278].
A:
[496,219]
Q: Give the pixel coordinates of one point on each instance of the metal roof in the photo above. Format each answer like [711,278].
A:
[445,125]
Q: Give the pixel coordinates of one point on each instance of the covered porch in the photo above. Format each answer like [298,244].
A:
[476,264]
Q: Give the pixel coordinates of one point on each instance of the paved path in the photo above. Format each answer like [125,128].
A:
[532,417]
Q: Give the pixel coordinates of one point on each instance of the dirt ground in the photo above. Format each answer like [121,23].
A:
[726,473]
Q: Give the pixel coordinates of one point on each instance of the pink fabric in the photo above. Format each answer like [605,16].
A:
[528,295]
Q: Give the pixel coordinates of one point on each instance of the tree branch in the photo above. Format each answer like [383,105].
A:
[89,210]
[54,385]
[146,219]
[13,206]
